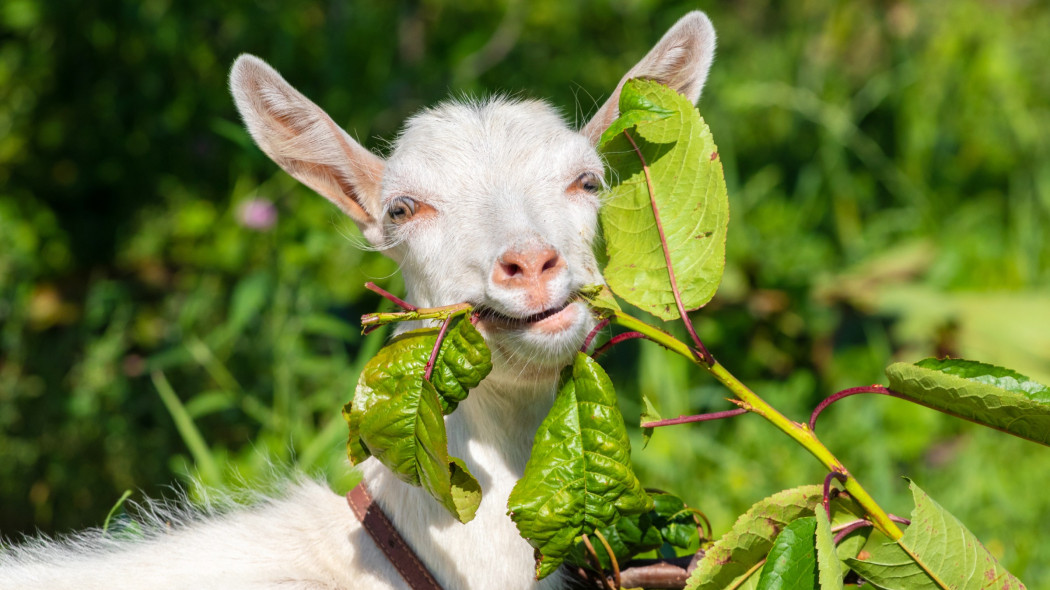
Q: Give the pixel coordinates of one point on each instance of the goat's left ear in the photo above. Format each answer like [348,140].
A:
[306,142]
[680,60]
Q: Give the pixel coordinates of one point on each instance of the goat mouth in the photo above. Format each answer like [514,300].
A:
[491,316]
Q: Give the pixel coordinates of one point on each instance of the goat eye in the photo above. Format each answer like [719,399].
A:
[401,209]
[588,181]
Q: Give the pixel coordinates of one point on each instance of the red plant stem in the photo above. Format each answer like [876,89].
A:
[704,354]
[881,390]
[437,347]
[850,528]
[696,418]
[843,394]
[594,332]
[841,533]
[616,340]
[827,489]
[390,296]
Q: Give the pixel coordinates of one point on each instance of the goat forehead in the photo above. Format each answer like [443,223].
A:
[497,145]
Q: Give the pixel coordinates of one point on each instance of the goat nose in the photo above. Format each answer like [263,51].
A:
[531,267]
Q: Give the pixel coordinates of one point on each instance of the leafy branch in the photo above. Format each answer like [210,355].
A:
[665,224]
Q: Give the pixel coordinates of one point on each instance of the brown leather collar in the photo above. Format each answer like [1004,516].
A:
[382,531]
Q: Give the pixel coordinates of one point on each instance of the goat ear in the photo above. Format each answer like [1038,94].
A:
[680,60]
[306,142]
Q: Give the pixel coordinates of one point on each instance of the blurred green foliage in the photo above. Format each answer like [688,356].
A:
[889,176]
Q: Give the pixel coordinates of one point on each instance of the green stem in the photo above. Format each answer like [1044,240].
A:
[370,321]
[750,401]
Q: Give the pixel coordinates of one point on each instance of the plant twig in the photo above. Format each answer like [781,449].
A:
[695,418]
[708,358]
[752,402]
[594,332]
[612,558]
[592,556]
[840,395]
[849,528]
[616,340]
[827,489]
[429,370]
[371,321]
[656,573]
[390,296]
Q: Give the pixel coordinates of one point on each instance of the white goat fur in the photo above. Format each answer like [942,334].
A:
[488,176]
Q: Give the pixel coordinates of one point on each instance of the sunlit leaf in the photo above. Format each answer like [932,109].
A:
[690,194]
[600,299]
[752,536]
[397,416]
[986,394]
[936,551]
[579,476]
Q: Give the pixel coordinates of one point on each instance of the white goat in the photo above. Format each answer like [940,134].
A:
[492,202]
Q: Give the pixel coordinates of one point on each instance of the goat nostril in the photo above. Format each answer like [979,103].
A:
[551,263]
[512,269]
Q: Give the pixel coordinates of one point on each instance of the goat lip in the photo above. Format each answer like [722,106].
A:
[498,319]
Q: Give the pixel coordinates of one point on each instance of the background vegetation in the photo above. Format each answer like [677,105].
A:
[173,306]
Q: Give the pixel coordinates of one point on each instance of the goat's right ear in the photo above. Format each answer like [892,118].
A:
[680,60]
[303,139]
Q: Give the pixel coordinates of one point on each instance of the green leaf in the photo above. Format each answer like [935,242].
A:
[989,395]
[936,551]
[465,490]
[631,535]
[601,298]
[397,415]
[829,567]
[751,537]
[689,193]
[579,475]
[792,561]
[649,414]
[1000,377]
[670,522]
[407,433]
[462,363]
[635,108]
[674,520]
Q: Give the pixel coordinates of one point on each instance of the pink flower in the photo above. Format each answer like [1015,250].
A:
[257,214]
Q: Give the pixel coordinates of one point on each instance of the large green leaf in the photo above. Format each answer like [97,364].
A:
[936,552]
[829,567]
[579,475]
[792,561]
[986,394]
[690,195]
[397,416]
[752,536]
[407,433]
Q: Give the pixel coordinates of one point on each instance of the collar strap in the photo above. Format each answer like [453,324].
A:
[386,537]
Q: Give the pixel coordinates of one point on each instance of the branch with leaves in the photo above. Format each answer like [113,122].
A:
[665,222]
